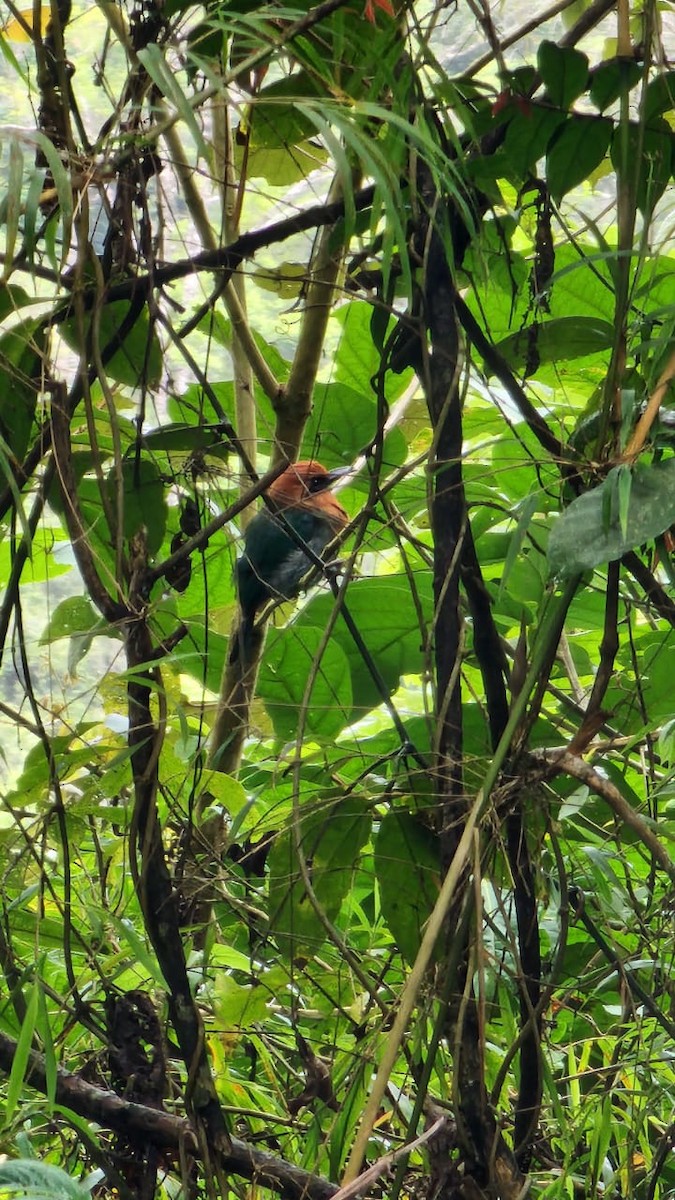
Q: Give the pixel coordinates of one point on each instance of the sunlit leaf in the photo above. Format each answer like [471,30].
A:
[559,339]
[19,28]
[138,361]
[284,675]
[408,871]
[388,621]
[331,838]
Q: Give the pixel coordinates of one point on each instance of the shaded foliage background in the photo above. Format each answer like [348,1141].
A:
[419,880]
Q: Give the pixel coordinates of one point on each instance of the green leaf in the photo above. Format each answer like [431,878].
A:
[408,871]
[29,1179]
[342,422]
[201,654]
[288,660]
[659,95]
[21,1055]
[238,1006]
[625,479]
[527,138]
[11,205]
[44,1029]
[652,151]
[32,212]
[575,151]
[279,168]
[181,436]
[278,119]
[357,359]
[139,951]
[143,500]
[612,79]
[346,1121]
[600,1140]
[564,71]
[64,190]
[559,339]
[388,620]
[581,538]
[287,281]
[331,838]
[12,298]
[164,76]
[75,618]
[75,614]
[138,361]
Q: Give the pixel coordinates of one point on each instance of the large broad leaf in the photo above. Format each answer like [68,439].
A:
[357,359]
[96,527]
[77,619]
[284,675]
[575,151]
[527,138]
[560,339]
[331,838]
[408,870]
[611,79]
[202,652]
[388,620]
[138,362]
[564,71]
[143,500]
[343,422]
[277,166]
[238,1006]
[593,530]
[278,120]
[143,507]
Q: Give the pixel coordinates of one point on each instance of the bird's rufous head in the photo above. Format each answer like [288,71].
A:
[306,484]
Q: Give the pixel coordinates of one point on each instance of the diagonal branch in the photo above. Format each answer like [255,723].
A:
[562,760]
[162,1129]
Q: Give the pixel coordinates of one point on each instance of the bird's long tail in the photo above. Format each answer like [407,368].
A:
[237,689]
[246,642]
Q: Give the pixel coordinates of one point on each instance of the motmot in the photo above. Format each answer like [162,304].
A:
[273,563]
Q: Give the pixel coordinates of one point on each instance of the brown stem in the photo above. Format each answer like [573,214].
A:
[610,642]
[164,1130]
[562,760]
[157,895]
[294,404]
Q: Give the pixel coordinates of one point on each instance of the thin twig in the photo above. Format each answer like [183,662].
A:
[562,760]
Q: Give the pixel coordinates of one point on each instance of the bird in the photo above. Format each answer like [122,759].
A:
[274,563]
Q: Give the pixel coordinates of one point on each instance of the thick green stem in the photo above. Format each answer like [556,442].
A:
[294,405]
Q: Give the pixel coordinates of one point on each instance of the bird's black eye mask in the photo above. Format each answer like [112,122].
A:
[318,483]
